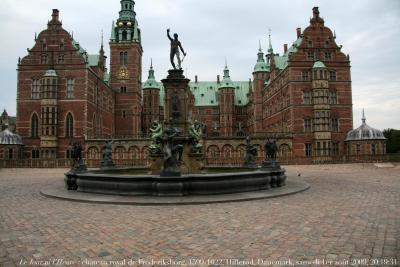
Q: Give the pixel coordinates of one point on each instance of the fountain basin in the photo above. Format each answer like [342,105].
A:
[185,185]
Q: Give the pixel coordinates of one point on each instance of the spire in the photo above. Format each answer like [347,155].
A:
[270,50]
[226,70]
[151,71]
[112,37]
[260,54]
[363,117]
[102,43]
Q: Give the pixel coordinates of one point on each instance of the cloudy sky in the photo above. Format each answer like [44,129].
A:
[211,30]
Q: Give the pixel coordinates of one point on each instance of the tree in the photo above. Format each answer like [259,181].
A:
[393,140]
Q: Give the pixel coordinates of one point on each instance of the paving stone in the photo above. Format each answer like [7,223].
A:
[350,212]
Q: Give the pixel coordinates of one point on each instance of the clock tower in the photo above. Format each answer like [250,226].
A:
[126,71]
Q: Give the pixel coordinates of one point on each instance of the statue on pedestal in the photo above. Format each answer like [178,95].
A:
[156,135]
[78,166]
[251,154]
[76,154]
[172,153]
[271,150]
[107,161]
[195,135]
[175,47]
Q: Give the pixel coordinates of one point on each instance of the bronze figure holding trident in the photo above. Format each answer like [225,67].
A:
[175,46]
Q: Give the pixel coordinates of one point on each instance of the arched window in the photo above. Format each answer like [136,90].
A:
[124,36]
[35,89]
[69,126]
[35,126]
[123,58]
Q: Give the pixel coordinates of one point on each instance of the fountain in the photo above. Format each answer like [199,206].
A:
[176,152]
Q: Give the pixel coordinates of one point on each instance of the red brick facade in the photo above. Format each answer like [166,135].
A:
[303,98]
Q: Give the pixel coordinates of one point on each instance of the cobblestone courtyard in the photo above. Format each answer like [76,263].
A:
[350,212]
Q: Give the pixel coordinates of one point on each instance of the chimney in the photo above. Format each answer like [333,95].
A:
[55,14]
[218,79]
[285,48]
[298,32]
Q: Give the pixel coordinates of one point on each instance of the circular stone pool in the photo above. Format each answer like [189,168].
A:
[117,183]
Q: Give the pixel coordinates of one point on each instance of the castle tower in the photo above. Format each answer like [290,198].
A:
[125,71]
[226,104]
[260,75]
[151,101]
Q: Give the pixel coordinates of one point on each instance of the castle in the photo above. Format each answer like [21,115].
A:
[302,98]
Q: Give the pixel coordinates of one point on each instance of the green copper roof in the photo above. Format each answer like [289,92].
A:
[226,81]
[206,93]
[261,65]
[151,82]
[127,12]
[51,73]
[93,60]
[281,62]
[319,65]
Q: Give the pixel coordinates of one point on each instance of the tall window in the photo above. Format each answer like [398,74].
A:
[335,125]
[307,97]
[35,89]
[373,149]
[61,59]
[335,149]
[123,89]
[332,97]
[307,125]
[70,88]
[69,126]
[305,76]
[332,75]
[328,56]
[124,36]
[310,55]
[358,149]
[308,150]
[123,58]
[35,153]
[43,59]
[35,126]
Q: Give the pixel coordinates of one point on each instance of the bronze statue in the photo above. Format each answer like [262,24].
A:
[78,164]
[107,161]
[271,150]
[251,154]
[175,46]
[156,135]
[172,153]
[195,135]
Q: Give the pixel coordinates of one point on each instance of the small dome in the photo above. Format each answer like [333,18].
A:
[319,65]
[9,138]
[365,132]
[4,114]
[261,66]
